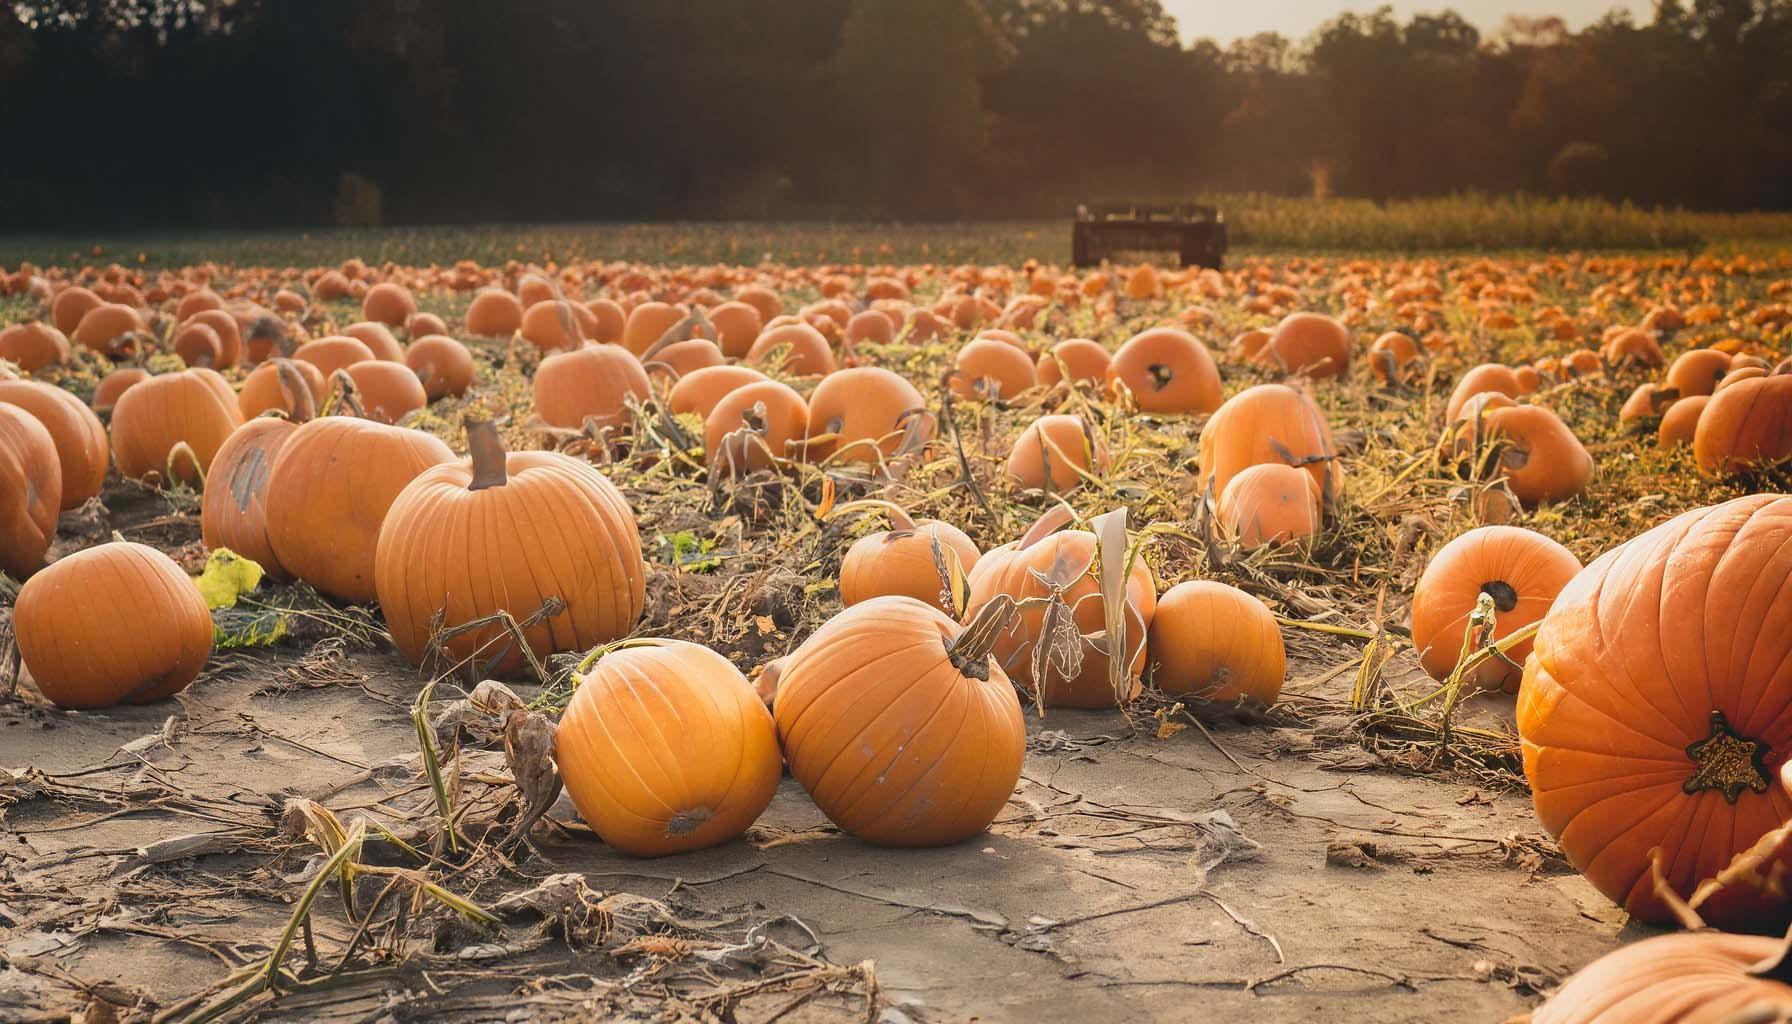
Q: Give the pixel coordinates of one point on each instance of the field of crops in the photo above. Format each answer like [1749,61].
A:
[800,623]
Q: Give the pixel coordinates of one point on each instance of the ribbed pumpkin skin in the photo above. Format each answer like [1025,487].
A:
[1630,662]
[1010,571]
[901,562]
[895,744]
[556,528]
[328,492]
[1744,425]
[589,383]
[1249,427]
[195,406]
[1533,567]
[234,511]
[1218,643]
[1673,979]
[81,445]
[667,748]
[68,620]
[30,491]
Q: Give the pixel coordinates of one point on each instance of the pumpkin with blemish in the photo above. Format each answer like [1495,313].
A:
[865,414]
[901,560]
[1521,570]
[233,513]
[1541,459]
[1268,423]
[1167,371]
[991,369]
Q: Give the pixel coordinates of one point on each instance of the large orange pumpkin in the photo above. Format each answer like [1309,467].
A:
[233,513]
[1085,361]
[900,726]
[229,332]
[1521,570]
[772,410]
[109,329]
[647,324]
[328,492]
[665,748]
[1680,424]
[336,352]
[864,414]
[1167,371]
[379,340]
[592,384]
[119,623]
[1697,372]
[115,384]
[1392,357]
[30,491]
[1707,978]
[494,313]
[1656,710]
[1747,425]
[1216,643]
[1494,377]
[79,436]
[1269,423]
[70,305]
[737,326]
[388,303]
[1056,452]
[173,423]
[265,388]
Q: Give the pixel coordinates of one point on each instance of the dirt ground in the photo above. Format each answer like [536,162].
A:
[1273,871]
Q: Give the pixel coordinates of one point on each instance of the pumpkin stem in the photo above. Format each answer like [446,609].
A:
[487,449]
[969,653]
[346,396]
[1504,597]
[1727,762]
[1047,523]
[898,516]
[296,392]
[1160,375]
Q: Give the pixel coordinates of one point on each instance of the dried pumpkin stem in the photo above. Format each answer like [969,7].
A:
[296,392]
[1048,522]
[898,516]
[489,457]
[969,653]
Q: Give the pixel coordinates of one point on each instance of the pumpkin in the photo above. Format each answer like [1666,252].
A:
[1251,346]
[1311,344]
[115,384]
[443,366]
[1143,283]
[1656,709]
[1737,375]
[422,325]
[1745,426]
[173,424]
[590,385]
[336,352]
[568,536]
[1496,377]
[737,325]
[1541,460]
[698,391]
[328,492]
[1633,346]
[82,450]
[1521,570]
[233,513]
[870,325]
[1704,978]
[1055,453]
[535,288]
[70,305]
[109,329]
[900,560]
[1268,423]
[1529,380]
[666,748]
[388,303]
[68,618]
[682,357]
[265,338]
[899,725]
[603,321]
[1583,362]
[229,332]
[197,345]
[770,409]
[1681,422]
[762,299]
[1085,361]
[1167,371]
[1645,404]
[648,323]
[494,313]
[388,391]
[379,340]
[557,324]
[991,369]
[197,302]
[30,491]
[865,414]
[1068,560]
[1697,372]
[1269,503]
[1216,643]
[1392,357]
[798,349]
[264,387]
[33,345]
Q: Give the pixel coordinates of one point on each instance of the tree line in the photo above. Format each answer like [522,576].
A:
[284,112]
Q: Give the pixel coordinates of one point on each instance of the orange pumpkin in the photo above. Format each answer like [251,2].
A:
[1216,643]
[388,303]
[1268,423]
[647,324]
[762,299]
[870,325]
[1645,404]
[899,725]
[197,345]
[388,391]
[1392,357]
[494,313]
[1681,422]
[434,562]
[605,322]
[1737,375]
[1656,709]
[1311,344]
[900,560]
[1697,372]
[558,324]
[379,340]
[229,332]
[990,369]
[1167,371]
[1269,503]
[1705,978]
[1633,346]
[682,357]
[1521,570]
[422,325]
[33,345]
[233,513]
[797,349]
[70,305]
[698,391]
[589,386]
[328,492]
[68,618]
[1055,453]
[443,366]
[173,424]
[864,414]
[666,748]
[82,450]
[768,408]
[1251,346]
[1542,460]
[1746,426]
[115,384]
[1495,377]
[1085,361]
[30,491]
[109,329]
[264,388]
[737,325]
[336,352]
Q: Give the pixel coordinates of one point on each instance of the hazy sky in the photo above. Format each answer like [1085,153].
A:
[1226,20]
